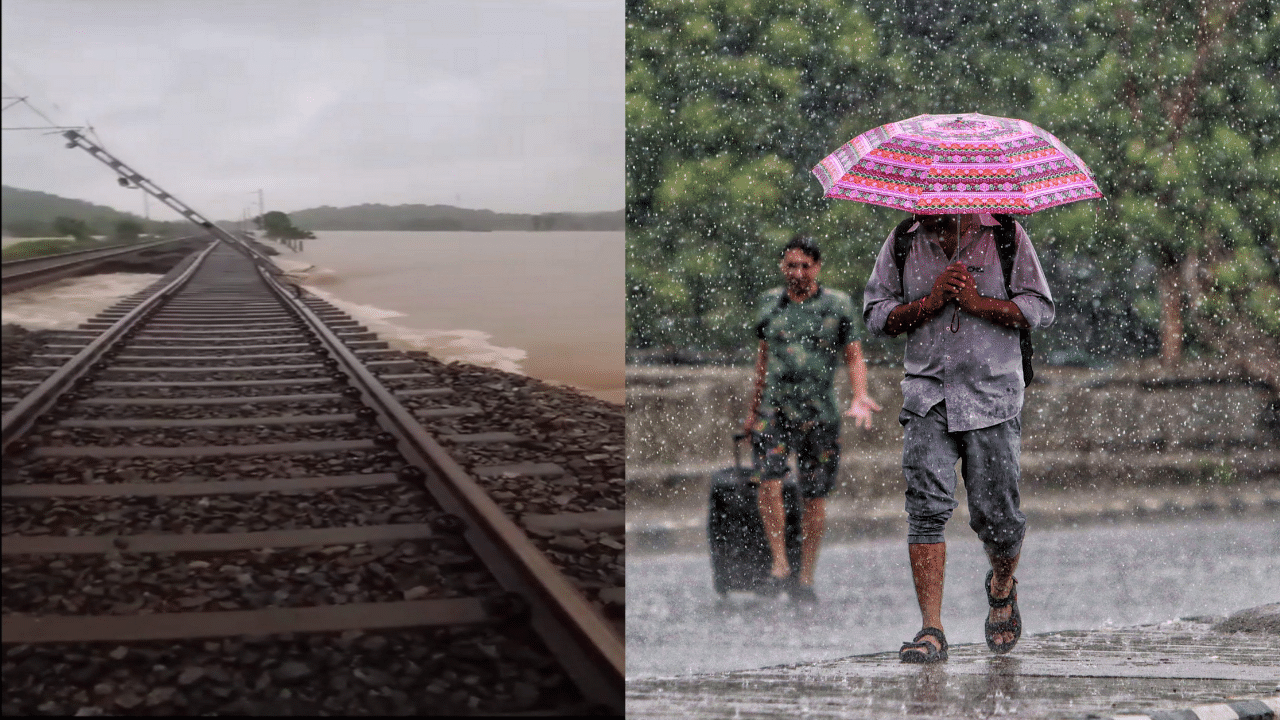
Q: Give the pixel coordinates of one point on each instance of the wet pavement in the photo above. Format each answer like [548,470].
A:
[1103,576]
[1100,605]
[1068,675]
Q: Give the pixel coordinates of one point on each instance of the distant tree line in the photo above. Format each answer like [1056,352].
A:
[32,214]
[123,230]
[417,217]
[1173,105]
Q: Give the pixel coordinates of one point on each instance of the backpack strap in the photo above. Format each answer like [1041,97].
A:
[1007,249]
[902,241]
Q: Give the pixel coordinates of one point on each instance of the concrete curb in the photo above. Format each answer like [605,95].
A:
[1261,709]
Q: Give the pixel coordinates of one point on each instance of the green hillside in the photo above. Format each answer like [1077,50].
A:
[29,213]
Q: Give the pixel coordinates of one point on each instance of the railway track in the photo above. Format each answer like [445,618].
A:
[219,497]
[31,272]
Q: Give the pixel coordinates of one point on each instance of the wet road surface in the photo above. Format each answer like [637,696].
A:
[1100,577]
[1172,666]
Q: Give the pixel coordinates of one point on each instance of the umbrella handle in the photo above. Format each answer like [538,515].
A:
[955,320]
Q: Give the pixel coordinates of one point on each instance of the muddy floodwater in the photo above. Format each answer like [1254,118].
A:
[1100,576]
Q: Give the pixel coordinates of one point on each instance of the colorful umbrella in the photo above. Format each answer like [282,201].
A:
[952,164]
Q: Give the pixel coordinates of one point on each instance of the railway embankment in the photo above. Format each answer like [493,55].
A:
[18,344]
[158,261]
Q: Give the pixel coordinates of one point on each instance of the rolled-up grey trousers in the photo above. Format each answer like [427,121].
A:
[989,463]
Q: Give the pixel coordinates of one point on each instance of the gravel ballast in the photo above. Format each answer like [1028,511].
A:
[469,670]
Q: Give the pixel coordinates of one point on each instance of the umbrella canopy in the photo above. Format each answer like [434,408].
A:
[952,164]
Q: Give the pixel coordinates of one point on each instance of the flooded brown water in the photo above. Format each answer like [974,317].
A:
[547,304]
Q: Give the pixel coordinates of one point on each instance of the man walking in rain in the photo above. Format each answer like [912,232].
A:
[962,399]
[805,331]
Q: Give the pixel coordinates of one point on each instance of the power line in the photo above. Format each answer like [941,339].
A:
[29,81]
[36,110]
[51,126]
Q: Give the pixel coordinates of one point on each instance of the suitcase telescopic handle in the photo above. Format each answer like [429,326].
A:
[737,449]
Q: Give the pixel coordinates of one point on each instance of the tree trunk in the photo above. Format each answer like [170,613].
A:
[1170,313]
[1241,343]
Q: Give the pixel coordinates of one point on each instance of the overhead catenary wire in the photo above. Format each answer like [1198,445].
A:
[22,99]
[37,111]
[30,82]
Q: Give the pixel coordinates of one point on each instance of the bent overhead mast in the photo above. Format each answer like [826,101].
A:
[128,175]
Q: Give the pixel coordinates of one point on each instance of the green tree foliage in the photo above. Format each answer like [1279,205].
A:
[277,225]
[728,106]
[1178,107]
[1172,104]
[78,229]
[26,228]
[127,230]
[28,213]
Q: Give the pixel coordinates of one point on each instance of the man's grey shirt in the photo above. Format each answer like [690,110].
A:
[977,370]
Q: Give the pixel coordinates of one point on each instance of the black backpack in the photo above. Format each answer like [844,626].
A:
[1006,248]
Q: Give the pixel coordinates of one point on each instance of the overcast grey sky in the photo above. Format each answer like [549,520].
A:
[510,106]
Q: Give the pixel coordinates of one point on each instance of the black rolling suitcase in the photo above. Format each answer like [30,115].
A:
[740,558]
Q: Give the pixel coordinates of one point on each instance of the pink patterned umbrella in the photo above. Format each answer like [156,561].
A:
[952,164]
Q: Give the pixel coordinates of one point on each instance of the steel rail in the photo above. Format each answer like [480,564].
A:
[22,416]
[116,246]
[30,272]
[589,650]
